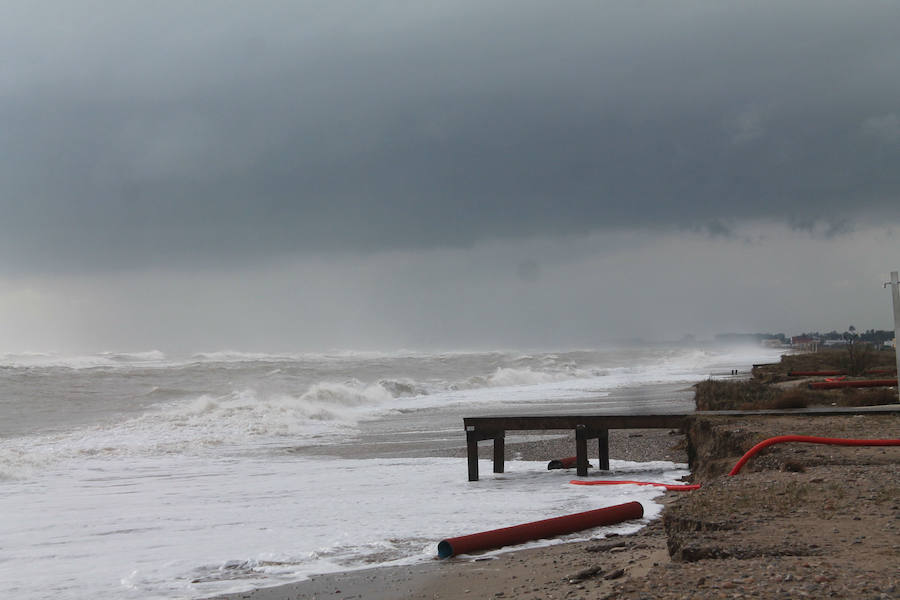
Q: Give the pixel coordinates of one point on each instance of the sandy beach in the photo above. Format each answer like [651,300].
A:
[798,521]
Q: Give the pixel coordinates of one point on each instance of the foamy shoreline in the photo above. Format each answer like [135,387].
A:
[232,468]
[392,582]
[798,522]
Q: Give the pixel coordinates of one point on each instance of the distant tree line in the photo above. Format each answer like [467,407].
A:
[876,337]
[873,336]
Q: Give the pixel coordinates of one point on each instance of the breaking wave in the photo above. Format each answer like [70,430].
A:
[240,419]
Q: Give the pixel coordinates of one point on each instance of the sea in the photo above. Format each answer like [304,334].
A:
[146,475]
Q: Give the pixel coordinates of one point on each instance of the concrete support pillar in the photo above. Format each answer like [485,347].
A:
[603,449]
[499,451]
[472,454]
[581,460]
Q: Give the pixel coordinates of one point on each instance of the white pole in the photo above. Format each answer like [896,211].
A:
[895,292]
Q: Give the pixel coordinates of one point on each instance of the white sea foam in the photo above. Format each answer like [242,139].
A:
[102,360]
[235,356]
[150,356]
[505,377]
[188,528]
[38,359]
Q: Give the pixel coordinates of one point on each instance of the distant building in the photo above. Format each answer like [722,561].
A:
[804,342]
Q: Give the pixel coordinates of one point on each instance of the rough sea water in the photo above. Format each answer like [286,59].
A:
[151,476]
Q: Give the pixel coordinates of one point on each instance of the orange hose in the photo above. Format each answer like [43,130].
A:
[808,439]
[668,486]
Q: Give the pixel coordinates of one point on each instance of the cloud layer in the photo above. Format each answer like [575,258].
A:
[445,174]
[149,134]
[583,291]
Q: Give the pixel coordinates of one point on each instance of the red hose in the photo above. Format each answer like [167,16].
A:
[856,383]
[669,486]
[525,532]
[808,439]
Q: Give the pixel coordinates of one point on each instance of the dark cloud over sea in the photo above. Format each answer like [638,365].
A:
[227,135]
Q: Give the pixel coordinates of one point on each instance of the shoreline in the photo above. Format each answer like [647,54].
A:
[438,578]
[799,521]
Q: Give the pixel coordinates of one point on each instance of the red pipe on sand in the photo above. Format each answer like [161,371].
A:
[808,439]
[686,487]
[517,534]
[831,385]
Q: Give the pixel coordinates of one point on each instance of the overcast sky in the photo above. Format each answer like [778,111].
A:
[316,175]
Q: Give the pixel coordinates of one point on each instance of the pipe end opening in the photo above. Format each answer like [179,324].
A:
[445,550]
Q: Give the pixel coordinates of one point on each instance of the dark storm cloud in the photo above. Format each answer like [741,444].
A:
[161,133]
